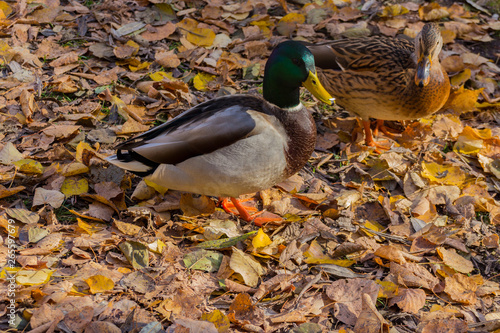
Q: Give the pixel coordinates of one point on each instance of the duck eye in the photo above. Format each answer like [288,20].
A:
[296,61]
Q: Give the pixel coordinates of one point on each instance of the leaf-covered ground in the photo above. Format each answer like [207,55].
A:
[402,241]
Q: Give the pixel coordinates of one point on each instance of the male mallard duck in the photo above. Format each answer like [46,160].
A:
[385,78]
[236,144]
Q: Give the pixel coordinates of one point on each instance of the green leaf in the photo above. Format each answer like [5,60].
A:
[224,243]
[136,253]
[203,260]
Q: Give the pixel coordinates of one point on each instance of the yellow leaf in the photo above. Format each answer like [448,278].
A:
[219,319]
[6,271]
[443,174]
[81,149]
[72,186]
[372,226]
[461,78]
[142,65]
[10,228]
[261,239]
[124,270]
[127,228]
[462,100]
[134,45]
[471,140]
[5,8]
[293,18]
[201,80]
[99,284]
[393,10]
[387,289]
[195,35]
[201,37]
[29,166]
[90,227]
[264,25]
[159,76]
[7,192]
[157,246]
[315,254]
[32,278]
[158,188]
[74,168]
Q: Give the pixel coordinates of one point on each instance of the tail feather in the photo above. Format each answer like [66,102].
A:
[131,165]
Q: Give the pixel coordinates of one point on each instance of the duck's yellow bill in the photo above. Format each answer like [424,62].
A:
[316,88]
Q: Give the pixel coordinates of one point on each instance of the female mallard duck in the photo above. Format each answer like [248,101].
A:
[385,78]
[235,144]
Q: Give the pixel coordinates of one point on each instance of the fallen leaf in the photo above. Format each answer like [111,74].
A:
[452,259]
[99,284]
[245,265]
[409,300]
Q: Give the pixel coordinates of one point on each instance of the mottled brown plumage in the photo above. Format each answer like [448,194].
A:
[385,78]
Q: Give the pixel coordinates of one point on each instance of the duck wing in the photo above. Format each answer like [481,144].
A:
[201,130]
[364,54]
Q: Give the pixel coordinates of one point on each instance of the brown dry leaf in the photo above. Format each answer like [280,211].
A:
[409,300]
[245,265]
[491,241]
[461,288]
[61,131]
[28,104]
[10,154]
[159,32]
[45,314]
[7,192]
[102,327]
[196,205]
[64,84]
[391,253]
[370,320]
[132,126]
[432,12]
[78,319]
[447,127]
[127,228]
[49,197]
[65,59]
[242,311]
[452,259]
[413,275]
[451,325]
[345,293]
[167,59]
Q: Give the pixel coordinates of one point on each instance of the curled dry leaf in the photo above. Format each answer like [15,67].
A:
[409,300]
[461,288]
[245,265]
[346,293]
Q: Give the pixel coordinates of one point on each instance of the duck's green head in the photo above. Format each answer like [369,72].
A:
[290,66]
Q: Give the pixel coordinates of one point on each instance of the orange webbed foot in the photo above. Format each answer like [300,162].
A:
[259,217]
[370,141]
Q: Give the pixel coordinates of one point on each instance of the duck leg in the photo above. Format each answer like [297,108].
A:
[258,218]
[380,126]
[369,138]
